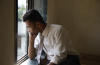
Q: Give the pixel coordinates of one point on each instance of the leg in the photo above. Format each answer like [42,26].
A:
[70,60]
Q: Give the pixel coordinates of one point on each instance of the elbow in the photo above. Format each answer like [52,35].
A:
[31,57]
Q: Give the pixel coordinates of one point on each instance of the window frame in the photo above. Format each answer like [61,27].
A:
[15,30]
[25,57]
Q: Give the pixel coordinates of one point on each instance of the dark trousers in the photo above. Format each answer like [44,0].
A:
[70,60]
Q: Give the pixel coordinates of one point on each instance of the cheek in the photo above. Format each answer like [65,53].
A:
[32,30]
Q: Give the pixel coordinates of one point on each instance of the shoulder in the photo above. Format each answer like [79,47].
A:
[58,29]
[55,27]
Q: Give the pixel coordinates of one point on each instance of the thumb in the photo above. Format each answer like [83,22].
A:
[29,34]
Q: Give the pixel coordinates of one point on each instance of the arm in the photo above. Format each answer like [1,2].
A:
[31,49]
[60,47]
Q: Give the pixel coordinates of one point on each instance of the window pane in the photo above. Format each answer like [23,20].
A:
[22,44]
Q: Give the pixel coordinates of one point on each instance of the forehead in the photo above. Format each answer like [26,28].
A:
[28,23]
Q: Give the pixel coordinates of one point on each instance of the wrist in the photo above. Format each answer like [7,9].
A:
[31,41]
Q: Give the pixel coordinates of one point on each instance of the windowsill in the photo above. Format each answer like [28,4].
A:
[33,62]
[30,62]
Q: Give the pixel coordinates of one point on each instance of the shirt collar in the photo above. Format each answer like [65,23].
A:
[46,30]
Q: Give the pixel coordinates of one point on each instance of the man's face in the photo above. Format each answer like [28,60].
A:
[32,28]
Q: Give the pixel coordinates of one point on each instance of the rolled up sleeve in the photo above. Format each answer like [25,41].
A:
[60,47]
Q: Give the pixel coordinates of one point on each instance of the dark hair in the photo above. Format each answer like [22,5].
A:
[33,16]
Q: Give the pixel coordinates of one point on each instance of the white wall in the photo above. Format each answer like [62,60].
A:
[82,19]
[6,32]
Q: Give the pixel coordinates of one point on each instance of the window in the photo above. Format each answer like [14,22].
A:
[22,33]
[21,40]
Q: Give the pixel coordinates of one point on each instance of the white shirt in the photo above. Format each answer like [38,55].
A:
[57,44]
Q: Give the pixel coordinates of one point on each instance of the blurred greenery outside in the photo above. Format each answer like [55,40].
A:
[21,11]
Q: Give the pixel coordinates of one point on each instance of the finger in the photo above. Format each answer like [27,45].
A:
[29,34]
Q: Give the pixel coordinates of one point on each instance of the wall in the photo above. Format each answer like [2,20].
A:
[52,12]
[82,19]
[6,32]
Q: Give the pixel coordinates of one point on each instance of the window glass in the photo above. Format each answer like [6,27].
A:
[21,44]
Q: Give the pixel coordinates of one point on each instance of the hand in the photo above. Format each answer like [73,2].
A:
[31,50]
[51,63]
[32,37]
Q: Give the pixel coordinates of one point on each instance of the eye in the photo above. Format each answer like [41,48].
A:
[27,27]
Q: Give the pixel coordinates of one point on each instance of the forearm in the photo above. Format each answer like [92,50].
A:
[31,50]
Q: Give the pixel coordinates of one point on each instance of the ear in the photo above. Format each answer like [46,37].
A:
[38,24]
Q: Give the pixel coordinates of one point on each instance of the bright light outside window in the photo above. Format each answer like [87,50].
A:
[22,44]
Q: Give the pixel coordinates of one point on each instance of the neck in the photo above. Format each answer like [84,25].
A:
[43,27]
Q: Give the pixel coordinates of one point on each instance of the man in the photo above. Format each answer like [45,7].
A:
[55,41]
